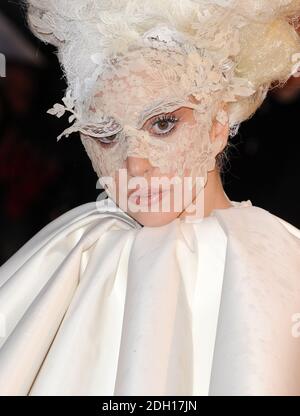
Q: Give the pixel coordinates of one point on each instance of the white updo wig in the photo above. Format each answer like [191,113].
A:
[259,36]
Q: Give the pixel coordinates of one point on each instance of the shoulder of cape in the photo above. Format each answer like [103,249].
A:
[254,218]
[68,222]
[95,210]
[289,227]
[102,209]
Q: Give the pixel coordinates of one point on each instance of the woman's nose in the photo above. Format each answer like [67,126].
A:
[137,166]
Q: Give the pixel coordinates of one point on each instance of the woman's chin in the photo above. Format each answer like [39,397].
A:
[154,219]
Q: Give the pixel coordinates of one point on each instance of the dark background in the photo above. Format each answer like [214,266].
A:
[41,178]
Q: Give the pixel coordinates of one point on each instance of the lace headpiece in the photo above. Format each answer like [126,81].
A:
[128,61]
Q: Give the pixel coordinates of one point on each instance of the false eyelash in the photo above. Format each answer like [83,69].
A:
[108,142]
[166,117]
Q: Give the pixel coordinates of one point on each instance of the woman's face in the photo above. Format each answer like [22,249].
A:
[156,170]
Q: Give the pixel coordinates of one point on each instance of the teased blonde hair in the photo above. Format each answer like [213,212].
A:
[264,31]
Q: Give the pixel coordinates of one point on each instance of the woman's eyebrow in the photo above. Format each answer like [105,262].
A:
[105,120]
[147,113]
[155,108]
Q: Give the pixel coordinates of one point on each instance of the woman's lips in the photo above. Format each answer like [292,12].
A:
[149,199]
[144,192]
[146,197]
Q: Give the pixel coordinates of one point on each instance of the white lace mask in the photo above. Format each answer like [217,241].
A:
[163,75]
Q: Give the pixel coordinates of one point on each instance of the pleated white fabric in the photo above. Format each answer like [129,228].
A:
[95,304]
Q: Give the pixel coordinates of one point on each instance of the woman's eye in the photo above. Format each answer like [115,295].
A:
[164,124]
[108,139]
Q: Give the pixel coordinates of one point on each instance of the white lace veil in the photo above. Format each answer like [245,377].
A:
[126,61]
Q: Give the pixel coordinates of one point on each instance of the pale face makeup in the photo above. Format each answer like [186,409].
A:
[156,132]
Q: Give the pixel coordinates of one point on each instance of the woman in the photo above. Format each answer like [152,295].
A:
[166,287]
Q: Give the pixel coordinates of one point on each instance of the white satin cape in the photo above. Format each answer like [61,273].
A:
[95,304]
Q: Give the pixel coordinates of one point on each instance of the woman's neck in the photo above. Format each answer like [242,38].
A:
[214,195]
